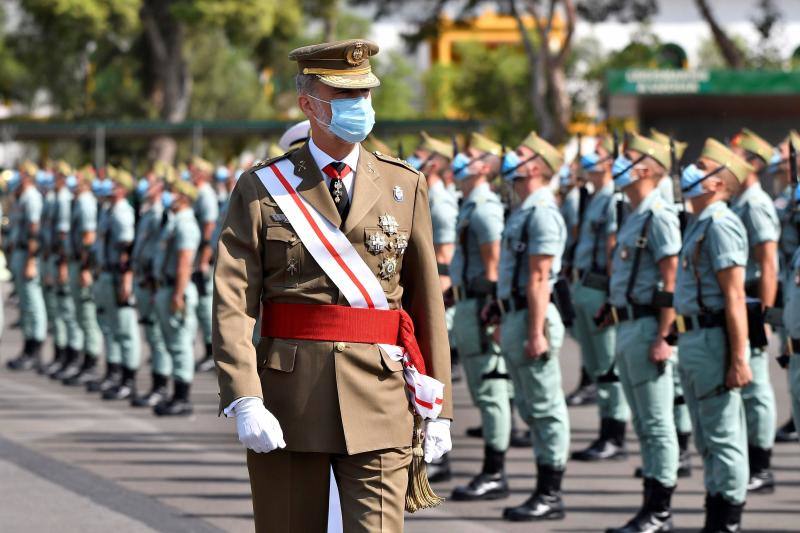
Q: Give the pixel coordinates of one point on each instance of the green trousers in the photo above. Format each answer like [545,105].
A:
[597,351]
[794,387]
[160,360]
[537,386]
[718,419]
[650,394]
[55,324]
[759,402]
[122,324]
[61,311]
[179,330]
[104,295]
[482,362]
[204,304]
[680,412]
[87,335]
[31,298]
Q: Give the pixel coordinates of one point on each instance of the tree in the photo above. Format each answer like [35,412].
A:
[733,55]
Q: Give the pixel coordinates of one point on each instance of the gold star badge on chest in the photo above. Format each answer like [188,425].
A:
[388,224]
[388,267]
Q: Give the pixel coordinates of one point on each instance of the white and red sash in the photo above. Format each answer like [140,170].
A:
[340,261]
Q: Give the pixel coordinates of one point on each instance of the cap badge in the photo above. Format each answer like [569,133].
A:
[356,54]
[398,193]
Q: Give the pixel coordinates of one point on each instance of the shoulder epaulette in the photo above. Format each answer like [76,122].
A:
[261,163]
[395,161]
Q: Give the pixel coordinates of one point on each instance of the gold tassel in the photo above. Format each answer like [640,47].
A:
[419,494]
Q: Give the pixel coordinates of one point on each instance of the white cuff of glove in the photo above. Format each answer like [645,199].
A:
[258,429]
[437,439]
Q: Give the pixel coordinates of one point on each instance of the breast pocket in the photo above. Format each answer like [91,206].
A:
[284,255]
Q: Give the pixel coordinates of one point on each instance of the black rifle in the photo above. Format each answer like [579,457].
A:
[675,171]
[620,205]
[400,151]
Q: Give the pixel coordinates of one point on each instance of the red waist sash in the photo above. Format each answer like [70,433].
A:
[340,323]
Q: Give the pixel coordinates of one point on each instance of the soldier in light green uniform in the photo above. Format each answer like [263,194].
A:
[151,220]
[640,305]
[66,337]
[176,298]
[117,274]
[712,329]
[80,242]
[27,268]
[473,272]
[590,273]
[791,320]
[432,158]
[757,212]
[532,331]
[206,210]
[45,182]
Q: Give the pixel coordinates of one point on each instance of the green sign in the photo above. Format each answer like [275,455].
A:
[709,82]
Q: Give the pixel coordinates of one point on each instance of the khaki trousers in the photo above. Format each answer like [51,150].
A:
[290,490]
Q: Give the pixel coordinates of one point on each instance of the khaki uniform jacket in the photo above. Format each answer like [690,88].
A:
[329,397]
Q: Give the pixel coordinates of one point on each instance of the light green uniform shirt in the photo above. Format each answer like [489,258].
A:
[791,310]
[27,210]
[790,227]
[121,231]
[715,240]
[755,208]
[83,219]
[547,235]
[599,221]
[146,244]
[180,233]
[663,240]
[480,221]
[444,212]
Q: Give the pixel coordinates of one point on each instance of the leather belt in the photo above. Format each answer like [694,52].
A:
[632,312]
[794,345]
[684,323]
[460,293]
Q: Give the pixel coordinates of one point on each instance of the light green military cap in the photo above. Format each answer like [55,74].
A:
[663,138]
[340,64]
[63,168]
[374,144]
[546,151]
[606,142]
[657,151]
[716,151]
[185,188]
[793,138]
[437,146]
[485,144]
[753,143]
[122,178]
[274,151]
[201,165]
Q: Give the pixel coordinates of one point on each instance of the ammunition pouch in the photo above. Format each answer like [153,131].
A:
[755,324]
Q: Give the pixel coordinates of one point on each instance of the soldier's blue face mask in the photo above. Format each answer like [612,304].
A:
[13,182]
[692,179]
[622,170]
[72,182]
[563,176]
[460,166]
[222,173]
[167,198]
[44,179]
[186,175]
[512,162]
[351,118]
[415,162]
[141,187]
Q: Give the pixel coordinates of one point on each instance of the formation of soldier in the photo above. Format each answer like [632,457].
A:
[669,280]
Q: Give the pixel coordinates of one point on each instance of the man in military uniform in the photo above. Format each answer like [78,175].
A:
[432,158]
[67,336]
[27,269]
[640,305]
[754,206]
[326,396]
[590,287]
[532,331]
[206,210]
[473,272]
[177,297]
[145,247]
[45,183]
[791,320]
[80,242]
[712,329]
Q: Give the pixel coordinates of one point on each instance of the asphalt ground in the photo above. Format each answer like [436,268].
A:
[72,462]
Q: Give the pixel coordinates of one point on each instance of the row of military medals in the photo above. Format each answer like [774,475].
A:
[389,240]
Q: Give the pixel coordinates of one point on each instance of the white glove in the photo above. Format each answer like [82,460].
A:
[437,439]
[258,429]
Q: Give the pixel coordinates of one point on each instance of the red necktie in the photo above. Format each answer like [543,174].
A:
[336,171]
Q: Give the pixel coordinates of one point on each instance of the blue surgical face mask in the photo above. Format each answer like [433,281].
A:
[415,162]
[622,171]
[692,179]
[44,179]
[186,175]
[563,176]
[351,118]
[222,173]
[509,166]
[142,187]
[72,182]
[13,182]
[589,162]
[166,199]
[97,186]
[460,167]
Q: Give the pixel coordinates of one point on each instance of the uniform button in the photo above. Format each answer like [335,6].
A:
[339,346]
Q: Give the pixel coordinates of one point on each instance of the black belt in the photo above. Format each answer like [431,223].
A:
[685,323]
[794,345]
[460,293]
[632,312]
[443,268]
[515,303]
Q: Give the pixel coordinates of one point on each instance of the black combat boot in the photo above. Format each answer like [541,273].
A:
[156,395]
[179,404]
[761,479]
[609,445]
[439,470]
[455,367]
[730,516]
[713,513]
[655,516]
[25,360]
[207,363]
[109,379]
[125,388]
[490,484]
[59,361]
[684,458]
[787,432]
[72,366]
[545,503]
[585,393]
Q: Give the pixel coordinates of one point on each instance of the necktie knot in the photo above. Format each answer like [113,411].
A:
[336,170]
